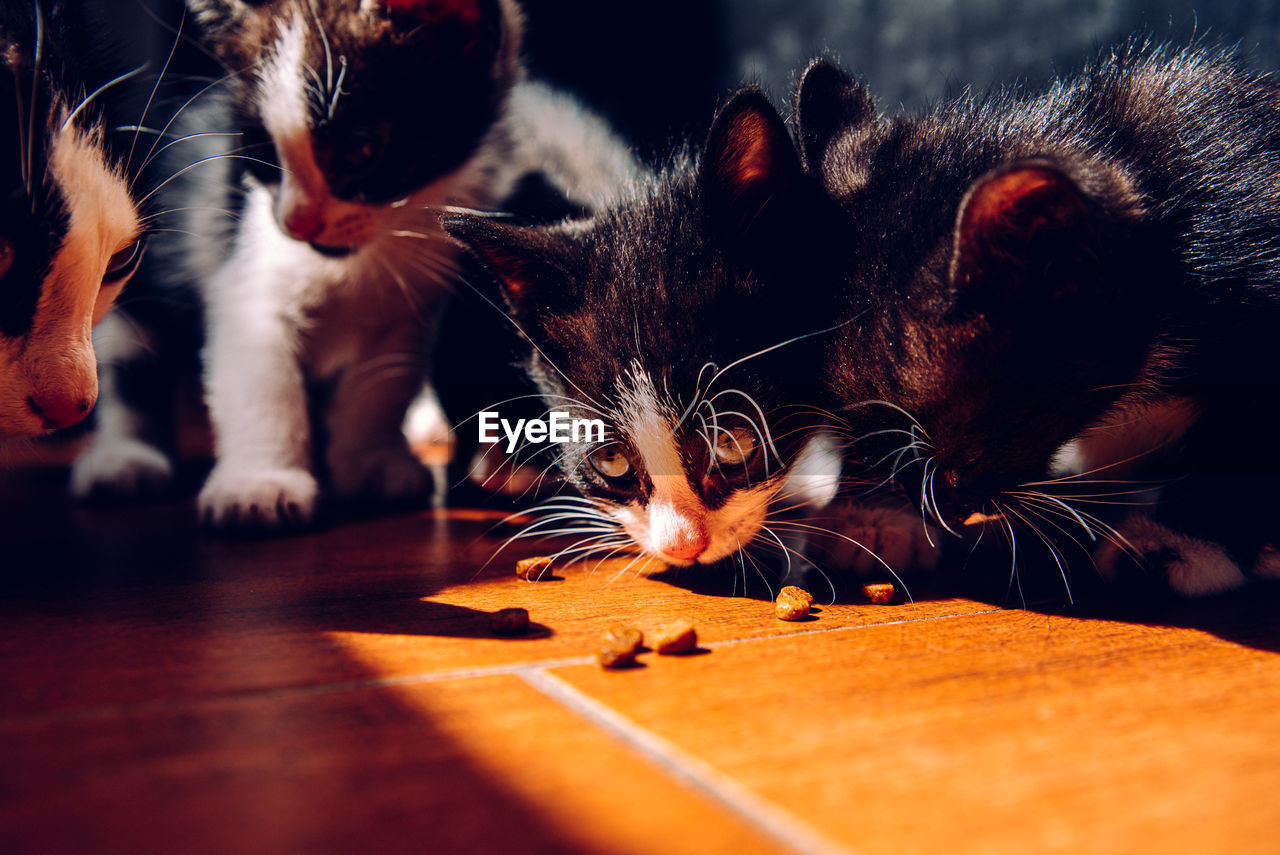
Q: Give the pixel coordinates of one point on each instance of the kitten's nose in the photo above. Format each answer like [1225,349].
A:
[60,410]
[303,223]
[686,548]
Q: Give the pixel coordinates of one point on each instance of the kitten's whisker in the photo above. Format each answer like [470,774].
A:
[1048,543]
[164,69]
[1013,562]
[846,538]
[84,102]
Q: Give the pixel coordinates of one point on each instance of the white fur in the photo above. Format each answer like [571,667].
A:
[676,526]
[280,315]
[56,357]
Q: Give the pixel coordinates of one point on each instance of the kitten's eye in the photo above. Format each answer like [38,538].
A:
[735,447]
[610,462]
[7,254]
[359,149]
[123,263]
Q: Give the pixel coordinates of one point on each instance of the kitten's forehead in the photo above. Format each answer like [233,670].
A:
[649,418]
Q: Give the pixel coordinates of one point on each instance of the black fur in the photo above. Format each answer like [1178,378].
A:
[1019,265]
[698,268]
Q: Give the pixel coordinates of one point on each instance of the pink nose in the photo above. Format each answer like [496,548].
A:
[303,223]
[60,410]
[686,548]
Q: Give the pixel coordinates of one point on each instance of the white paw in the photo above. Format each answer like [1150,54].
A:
[895,536]
[424,422]
[388,473]
[1188,566]
[246,498]
[122,468]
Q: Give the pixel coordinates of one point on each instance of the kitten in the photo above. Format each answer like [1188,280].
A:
[322,300]
[675,317]
[70,232]
[1056,295]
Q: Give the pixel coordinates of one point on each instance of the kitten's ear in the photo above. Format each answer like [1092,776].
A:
[749,169]
[1025,231]
[828,102]
[523,260]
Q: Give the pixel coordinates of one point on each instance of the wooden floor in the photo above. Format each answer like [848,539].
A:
[340,692]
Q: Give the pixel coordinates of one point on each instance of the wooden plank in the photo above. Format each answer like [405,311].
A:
[480,765]
[1010,732]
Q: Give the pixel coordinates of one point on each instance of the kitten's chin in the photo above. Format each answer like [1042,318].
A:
[333,251]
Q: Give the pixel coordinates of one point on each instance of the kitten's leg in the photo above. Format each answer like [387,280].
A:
[124,458]
[872,538]
[257,399]
[1154,555]
[368,454]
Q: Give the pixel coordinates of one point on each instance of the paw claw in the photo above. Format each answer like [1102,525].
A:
[244,498]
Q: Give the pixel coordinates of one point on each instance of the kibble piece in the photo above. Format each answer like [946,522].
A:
[798,593]
[621,644]
[791,607]
[535,568]
[879,593]
[678,637]
[509,621]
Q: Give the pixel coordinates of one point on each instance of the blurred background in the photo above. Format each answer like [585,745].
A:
[657,68]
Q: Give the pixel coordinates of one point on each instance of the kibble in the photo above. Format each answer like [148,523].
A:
[880,593]
[791,606]
[798,593]
[534,568]
[509,621]
[675,638]
[621,644]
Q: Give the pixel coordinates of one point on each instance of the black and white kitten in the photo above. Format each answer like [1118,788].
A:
[675,317]
[353,124]
[1057,295]
[70,232]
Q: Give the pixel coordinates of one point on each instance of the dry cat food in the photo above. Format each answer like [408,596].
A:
[621,644]
[509,621]
[793,603]
[880,593]
[798,593]
[534,568]
[678,637]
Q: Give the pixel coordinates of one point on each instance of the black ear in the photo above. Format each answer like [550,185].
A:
[523,261]
[1025,230]
[828,101]
[750,169]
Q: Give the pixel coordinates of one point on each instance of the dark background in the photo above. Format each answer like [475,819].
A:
[657,68]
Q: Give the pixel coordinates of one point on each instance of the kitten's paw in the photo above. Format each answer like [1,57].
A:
[895,536]
[1160,557]
[236,498]
[392,473]
[120,469]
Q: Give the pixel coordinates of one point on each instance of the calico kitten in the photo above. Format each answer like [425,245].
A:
[675,317]
[70,232]
[1056,295]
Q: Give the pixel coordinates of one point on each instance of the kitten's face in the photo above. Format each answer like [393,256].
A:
[990,302]
[356,113]
[658,317]
[69,236]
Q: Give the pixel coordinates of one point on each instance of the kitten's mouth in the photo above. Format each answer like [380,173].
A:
[979,518]
[332,251]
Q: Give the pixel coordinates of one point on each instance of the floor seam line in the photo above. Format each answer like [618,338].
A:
[106,711]
[757,812]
